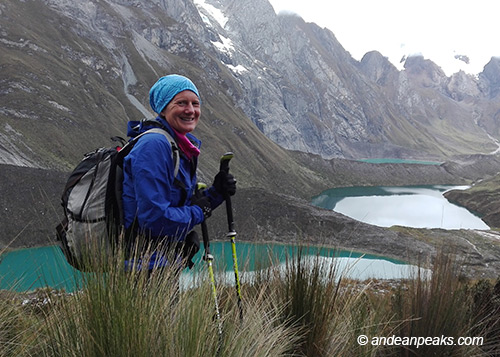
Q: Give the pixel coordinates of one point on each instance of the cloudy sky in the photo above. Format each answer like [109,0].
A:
[437,29]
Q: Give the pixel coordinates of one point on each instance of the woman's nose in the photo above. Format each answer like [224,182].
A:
[189,108]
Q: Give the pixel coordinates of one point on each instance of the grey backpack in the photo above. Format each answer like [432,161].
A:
[92,203]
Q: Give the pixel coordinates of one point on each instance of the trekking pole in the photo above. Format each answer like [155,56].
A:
[224,166]
[208,257]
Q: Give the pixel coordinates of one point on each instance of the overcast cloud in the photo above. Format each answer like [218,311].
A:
[439,30]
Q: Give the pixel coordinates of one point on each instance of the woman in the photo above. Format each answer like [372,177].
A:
[158,206]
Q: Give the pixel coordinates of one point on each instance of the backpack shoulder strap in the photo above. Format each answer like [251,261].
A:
[173,145]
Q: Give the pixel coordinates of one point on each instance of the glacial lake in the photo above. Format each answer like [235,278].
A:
[410,206]
[29,269]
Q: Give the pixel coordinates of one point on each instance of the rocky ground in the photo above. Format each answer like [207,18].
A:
[483,198]
[29,205]
[30,210]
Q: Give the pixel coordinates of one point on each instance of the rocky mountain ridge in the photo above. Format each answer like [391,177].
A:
[338,111]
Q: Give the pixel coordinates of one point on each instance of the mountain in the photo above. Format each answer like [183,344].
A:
[338,109]
[73,74]
[79,71]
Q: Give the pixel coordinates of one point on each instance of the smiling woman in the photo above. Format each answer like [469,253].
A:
[183,112]
[160,206]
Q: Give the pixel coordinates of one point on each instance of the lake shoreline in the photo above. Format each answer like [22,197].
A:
[265,217]
[46,267]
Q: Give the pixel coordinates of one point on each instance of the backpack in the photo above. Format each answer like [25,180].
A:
[92,203]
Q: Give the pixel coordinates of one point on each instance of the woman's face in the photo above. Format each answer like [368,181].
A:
[183,112]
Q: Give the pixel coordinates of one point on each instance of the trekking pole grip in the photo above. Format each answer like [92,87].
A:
[224,166]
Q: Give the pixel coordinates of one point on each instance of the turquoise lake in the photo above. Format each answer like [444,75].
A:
[400,161]
[28,269]
[411,206]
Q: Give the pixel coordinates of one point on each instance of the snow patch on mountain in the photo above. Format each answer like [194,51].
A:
[225,46]
[217,14]
[11,142]
[239,69]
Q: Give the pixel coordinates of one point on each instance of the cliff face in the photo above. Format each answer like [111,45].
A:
[318,99]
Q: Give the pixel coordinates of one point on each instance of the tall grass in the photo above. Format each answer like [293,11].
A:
[485,314]
[305,307]
[327,309]
[434,306]
[17,327]
[137,313]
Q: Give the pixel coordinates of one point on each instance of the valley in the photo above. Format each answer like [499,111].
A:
[30,200]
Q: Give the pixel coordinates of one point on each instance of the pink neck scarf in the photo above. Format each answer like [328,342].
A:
[186,146]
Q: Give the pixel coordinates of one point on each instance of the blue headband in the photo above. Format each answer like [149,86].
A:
[166,88]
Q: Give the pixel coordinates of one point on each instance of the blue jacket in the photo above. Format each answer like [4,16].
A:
[162,208]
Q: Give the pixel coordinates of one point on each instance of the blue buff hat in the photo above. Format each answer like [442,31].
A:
[166,88]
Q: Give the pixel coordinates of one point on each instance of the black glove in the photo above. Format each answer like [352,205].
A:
[204,203]
[225,183]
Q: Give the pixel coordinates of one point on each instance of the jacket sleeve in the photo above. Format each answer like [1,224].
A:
[151,168]
[216,199]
